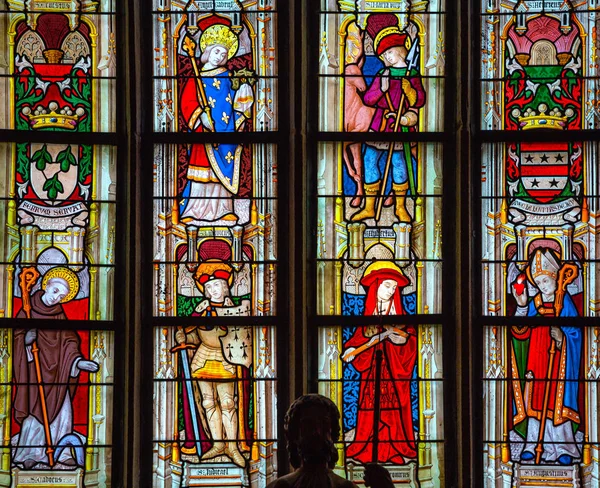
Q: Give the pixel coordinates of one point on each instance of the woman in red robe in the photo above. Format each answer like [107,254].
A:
[383,281]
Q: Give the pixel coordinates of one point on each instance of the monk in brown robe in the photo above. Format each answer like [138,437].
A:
[61,361]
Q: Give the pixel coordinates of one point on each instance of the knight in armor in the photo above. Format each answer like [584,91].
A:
[218,378]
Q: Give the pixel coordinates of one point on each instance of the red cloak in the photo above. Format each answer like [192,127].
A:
[396,431]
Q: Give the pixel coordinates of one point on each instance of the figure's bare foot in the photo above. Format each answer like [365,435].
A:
[360,191]
[355,202]
[388,201]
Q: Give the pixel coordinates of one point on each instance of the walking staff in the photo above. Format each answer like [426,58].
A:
[27,279]
[405,145]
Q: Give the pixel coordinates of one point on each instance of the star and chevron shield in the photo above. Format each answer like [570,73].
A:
[544,169]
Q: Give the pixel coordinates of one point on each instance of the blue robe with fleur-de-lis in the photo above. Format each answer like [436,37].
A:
[223,159]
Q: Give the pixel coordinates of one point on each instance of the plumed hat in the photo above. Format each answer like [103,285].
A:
[216,29]
[213,269]
[543,262]
[380,271]
[384,30]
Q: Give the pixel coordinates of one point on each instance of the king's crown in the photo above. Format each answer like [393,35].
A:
[542,119]
[44,118]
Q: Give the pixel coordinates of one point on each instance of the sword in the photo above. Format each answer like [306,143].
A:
[187,377]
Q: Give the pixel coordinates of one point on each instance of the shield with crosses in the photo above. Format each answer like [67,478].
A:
[237,344]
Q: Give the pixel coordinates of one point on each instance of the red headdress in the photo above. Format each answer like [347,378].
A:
[213,269]
[384,30]
[214,255]
[213,19]
[377,273]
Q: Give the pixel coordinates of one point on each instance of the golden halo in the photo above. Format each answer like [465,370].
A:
[66,274]
[222,35]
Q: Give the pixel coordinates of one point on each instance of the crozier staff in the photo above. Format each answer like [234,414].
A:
[546,411]
[45,415]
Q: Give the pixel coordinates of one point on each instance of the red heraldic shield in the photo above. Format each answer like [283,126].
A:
[544,169]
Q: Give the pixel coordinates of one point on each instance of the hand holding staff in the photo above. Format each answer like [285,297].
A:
[189,46]
[566,275]
[27,279]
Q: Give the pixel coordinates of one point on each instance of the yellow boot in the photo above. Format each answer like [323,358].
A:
[371,193]
[400,191]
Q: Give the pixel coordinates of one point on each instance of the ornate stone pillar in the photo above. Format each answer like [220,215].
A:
[521,238]
[402,243]
[192,238]
[237,233]
[567,242]
[356,243]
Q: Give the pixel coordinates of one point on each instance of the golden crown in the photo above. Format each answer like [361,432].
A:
[43,118]
[66,275]
[222,35]
[542,119]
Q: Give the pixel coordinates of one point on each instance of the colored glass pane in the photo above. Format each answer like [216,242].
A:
[534,68]
[61,71]
[379,231]
[197,369]
[237,83]
[407,234]
[57,254]
[539,256]
[396,6]
[59,210]
[77,371]
[215,245]
[411,400]
[366,75]
[71,8]
[209,222]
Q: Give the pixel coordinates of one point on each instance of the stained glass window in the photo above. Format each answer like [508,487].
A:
[58,199]
[539,272]
[215,248]
[378,218]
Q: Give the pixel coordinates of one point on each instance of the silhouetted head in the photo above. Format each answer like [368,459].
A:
[312,426]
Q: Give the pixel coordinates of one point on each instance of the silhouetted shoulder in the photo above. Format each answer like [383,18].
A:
[340,482]
[283,482]
[289,480]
